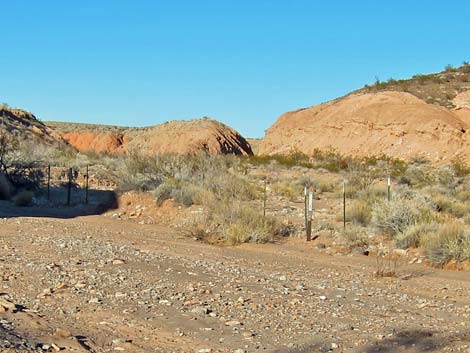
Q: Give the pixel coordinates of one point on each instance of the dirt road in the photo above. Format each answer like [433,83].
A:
[101,285]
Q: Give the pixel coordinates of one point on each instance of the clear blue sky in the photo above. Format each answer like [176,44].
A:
[242,62]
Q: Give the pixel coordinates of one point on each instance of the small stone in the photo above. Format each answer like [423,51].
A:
[200,310]
[62,333]
[233,323]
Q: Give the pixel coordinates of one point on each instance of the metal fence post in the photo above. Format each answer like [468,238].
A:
[86,185]
[49,182]
[69,187]
[310,216]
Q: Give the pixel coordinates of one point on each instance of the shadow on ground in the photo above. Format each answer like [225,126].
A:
[99,201]
[408,341]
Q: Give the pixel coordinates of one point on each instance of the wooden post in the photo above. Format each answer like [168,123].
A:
[310,216]
[69,187]
[86,185]
[344,205]
[49,182]
[389,184]
[265,196]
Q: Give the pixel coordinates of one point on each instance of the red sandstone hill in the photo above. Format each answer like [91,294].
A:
[178,137]
[393,123]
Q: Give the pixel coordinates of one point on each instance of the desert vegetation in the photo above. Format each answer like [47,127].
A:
[437,88]
[428,209]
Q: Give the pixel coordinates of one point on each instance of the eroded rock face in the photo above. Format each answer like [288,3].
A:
[178,137]
[96,142]
[396,124]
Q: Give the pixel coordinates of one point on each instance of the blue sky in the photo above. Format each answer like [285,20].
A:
[242,62]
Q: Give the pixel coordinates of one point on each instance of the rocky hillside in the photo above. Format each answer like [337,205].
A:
[437,88]
[26,126]
[180,137]
[426,116]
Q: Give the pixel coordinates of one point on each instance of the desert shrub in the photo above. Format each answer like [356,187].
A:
[324,184]
[445,177]
[138,172]
[373,193]
[323,227]
[305,181]
[330,160]
[358,212]
[463,194]
[451,242]
[412,236]
[416,176]
[23,198]
[358,181]
[460,168]
[5,188]
[237,223]
[355,236]
[449,204]
[183,193]
[287,190]
[393,217]
[229,186]
[292,159]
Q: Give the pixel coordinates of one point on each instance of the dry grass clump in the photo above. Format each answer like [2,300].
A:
[450,204]
[358,212]
[355,237]
[234,223]
[288,190]
[23,198]
[412,236]
[185,194]
[451,242]
[325,184]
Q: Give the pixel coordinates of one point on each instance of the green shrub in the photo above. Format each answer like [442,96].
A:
[330,160]
[23,198]
[292,159]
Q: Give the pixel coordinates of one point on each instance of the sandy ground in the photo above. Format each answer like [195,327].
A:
[103,285]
